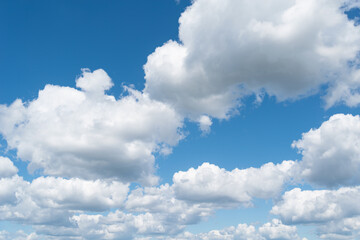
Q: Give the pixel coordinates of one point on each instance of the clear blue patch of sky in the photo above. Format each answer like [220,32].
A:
[49,41]
[13,227]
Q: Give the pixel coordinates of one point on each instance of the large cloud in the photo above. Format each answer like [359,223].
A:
[77,194]
[229,48]
[51,201]
[331,152]
[318,206]
[85,133]
[209,183]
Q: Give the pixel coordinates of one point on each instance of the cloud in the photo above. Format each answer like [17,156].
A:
[162,202]
[19,235]
[239,232]
[118,225]
[84,133]
[11,189]
[348,228]
[205,123]
[7,168]
[318,206]
[229,49]
[331,152]
[271,230]
[77,194]
[51,201]
[209,183]
[96,82]
[276,230]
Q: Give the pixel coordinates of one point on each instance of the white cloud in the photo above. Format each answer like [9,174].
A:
[276,230]
[205,123]
[209,183]
[94,82]
[7,168]
[119,225]
[348,228]
[331,152]
[72,133]
[318,206]
[163,202]
[269,231]
[52,201]
[230,48]
[55,206]
[10,189]
[240,232]
[77,194]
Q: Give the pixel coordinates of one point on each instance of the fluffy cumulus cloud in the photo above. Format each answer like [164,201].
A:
[52,201]
[77,194]
[318,206]
[163,202]
[336,213]
[86,133]
[209,183]
[331,152]
[11,189]
[348,228]
[276,230]
[7,168]
[231,48]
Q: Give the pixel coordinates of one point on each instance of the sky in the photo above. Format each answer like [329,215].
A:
[186,120]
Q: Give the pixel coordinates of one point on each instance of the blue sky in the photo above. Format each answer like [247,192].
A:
[134,121]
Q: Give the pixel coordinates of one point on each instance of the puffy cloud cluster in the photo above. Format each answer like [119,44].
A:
[51,201]
[118,225]
[85,133]
[67,131]
[331,152]
[59,207]
[273,230]
[230,48]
